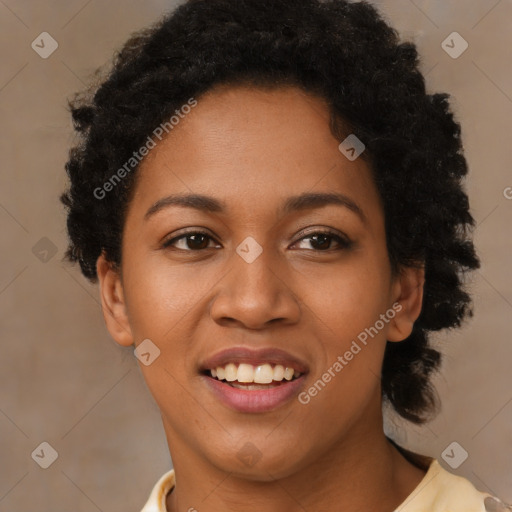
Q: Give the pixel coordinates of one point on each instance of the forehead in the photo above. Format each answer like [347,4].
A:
[262,145]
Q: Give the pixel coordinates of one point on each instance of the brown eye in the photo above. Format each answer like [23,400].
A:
[193,241]
[321,240]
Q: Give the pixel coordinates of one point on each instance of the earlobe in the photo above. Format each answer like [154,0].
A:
[408,296]
[113,303]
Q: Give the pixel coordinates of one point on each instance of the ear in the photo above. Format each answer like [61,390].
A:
[407,299]
[113,303]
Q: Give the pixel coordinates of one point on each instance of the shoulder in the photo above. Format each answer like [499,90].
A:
[443,491]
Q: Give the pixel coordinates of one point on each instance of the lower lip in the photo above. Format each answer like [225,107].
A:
[256,400]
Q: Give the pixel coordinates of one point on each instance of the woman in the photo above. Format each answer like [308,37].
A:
[273,208]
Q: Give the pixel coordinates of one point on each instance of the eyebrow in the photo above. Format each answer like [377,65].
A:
[306,201]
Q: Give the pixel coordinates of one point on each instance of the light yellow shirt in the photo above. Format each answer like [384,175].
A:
[438,491]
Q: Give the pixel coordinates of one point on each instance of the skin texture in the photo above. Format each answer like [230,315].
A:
[253,149]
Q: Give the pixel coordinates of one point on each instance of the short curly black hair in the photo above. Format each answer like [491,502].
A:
[345,53]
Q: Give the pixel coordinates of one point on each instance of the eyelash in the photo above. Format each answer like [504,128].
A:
[344,242]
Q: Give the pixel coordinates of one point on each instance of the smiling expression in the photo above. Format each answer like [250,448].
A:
[249,230]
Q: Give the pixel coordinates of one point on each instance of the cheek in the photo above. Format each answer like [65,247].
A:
[160,294]
[162,307]
[347,376]
[348,304]
[349,297]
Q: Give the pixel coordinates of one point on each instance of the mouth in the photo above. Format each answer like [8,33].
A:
[251,377]
[254,381]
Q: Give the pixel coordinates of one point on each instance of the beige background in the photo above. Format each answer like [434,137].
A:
[64,381]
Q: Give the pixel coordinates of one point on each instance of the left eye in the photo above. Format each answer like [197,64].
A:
[323,240]
[198,240]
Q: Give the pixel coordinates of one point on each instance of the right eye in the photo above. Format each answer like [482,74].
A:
[194,240]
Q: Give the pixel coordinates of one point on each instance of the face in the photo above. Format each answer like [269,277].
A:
[270,269]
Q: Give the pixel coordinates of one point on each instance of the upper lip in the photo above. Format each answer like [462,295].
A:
[254,357]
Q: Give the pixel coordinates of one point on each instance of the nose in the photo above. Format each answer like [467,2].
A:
[255,294]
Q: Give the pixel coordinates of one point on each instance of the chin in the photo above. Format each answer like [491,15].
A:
[266,464]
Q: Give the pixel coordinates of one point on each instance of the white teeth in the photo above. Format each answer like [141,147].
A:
[250,387]
[279,372]
[247,373]
[288,373]
[230,370]
[264,374]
